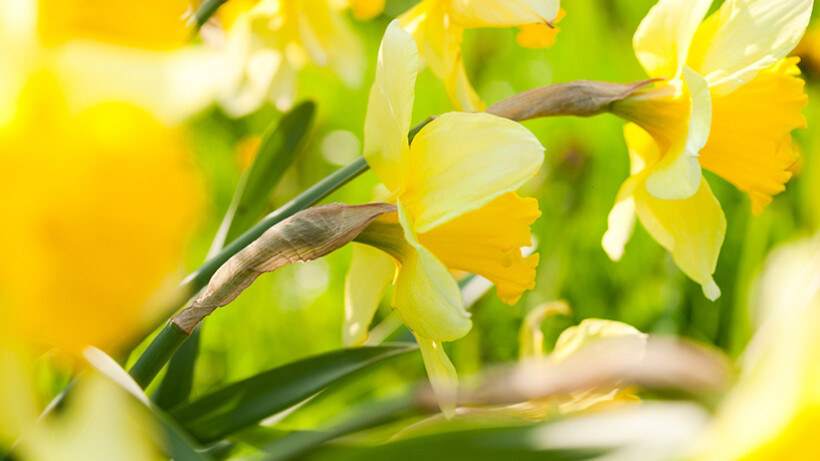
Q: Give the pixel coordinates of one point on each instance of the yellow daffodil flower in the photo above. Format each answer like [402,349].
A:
[774,411]
[729,100]
[569,343]
[457,210]
[135,52]
[268,41]
[438,27]
[103,202]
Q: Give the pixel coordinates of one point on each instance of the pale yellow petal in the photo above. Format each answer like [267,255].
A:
[459,162]
[172,85]
[442,374]
[677,175]
[18,400]
[371,272]
[590,331]
[426,295]
[663,37]
[745,37]
[439,41]
[530,336]
[488,242]
[621,223]
[503,13]
[390,106]
[750,144]
[691,229]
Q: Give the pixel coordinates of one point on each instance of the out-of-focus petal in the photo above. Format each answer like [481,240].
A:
[677,175]
[488,242]
[621,223]
[745,37]
[116,186]
[458,152]
[172,85]
[426,295]
[149,24]
[371,272]
[503,13]
[663,37]
[390,106]
[442,374]
[750,145]
[366,9]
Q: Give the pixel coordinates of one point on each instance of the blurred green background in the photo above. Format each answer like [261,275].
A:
[298,310]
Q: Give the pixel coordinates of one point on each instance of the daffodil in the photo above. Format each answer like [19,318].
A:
[774,411]
[99,205]
[438,27]
[569,343]
[268,41]
[102,51]
[729,99]
[457,210]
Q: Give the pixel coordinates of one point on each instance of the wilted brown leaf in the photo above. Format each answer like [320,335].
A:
[581,98]
[305,236]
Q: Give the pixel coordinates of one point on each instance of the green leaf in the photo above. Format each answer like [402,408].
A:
[280,145]
[518,443]
[249,401]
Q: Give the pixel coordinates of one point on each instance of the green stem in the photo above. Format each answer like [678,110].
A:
[205,11]
[157,354]
[168,341]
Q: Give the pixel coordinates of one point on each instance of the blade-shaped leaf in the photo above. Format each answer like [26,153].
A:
[247,402]
[280,145]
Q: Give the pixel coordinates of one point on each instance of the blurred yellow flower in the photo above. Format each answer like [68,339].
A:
[774,411]
[728,103]
[135,52]
[267,42]
[101,204]
[438,27]
[457,210]
[570,342]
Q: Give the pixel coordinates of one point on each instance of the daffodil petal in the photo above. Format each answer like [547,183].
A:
[439,41]
[488,242]
[621,223]
[588,332]
[458,151]
[691,229]
[172,85]
[662,40]
[745,37]
[503,13]
[390,106]
[371,272]
[750,145]
[677,175]
[426,295]
[442,374]
[461,91]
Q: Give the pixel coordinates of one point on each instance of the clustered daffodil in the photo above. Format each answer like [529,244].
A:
[438,27]
[728,101]
[267,42]
[457,210]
